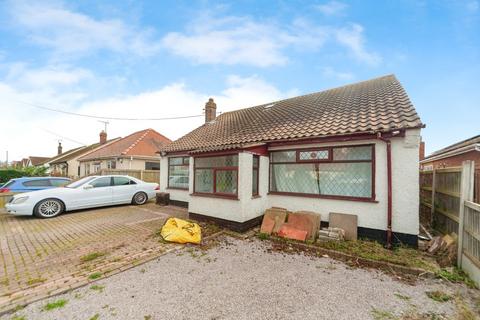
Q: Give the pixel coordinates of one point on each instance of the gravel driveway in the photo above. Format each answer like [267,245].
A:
[242,279]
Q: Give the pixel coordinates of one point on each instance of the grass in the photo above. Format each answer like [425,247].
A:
[438,296]
[375,251]
[402,297]
[97,287]
[95,317]
[95,275]
[463,311]
[378,314]
[92,256]
[456,276]
[19,318]
[31,282]
[54,305]
[263,236]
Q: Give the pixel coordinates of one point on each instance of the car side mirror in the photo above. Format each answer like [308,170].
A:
[87,186]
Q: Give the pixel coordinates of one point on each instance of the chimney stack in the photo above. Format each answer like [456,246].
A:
[103,137]
[59,149]
[422,150]
[210,110]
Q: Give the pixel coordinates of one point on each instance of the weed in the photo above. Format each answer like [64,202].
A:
[77,296]
[95,275]
[54,305]
[97,287]
[95,317]
[18,307]
[456,275]
[19,318]
[143,270]
[263,236]
[92,256]
[378,314]
[438,296]
[147,317]
[31,282]
[401,296]
[5,282]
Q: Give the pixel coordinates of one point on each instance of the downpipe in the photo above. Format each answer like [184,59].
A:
[389,186]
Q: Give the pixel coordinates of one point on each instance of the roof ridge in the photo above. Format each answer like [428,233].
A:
[147,131]
[391,75]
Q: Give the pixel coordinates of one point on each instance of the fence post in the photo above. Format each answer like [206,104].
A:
[432,209]
[141,175]
[466,193]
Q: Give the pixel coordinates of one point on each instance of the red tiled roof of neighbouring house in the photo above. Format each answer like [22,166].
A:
[472,143]
[377,105]
[142,143]
[78,152]
[35,161]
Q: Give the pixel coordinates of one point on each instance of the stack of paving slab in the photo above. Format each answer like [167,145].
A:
[299,225]
[328,234]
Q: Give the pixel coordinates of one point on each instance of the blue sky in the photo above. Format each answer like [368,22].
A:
[165,58]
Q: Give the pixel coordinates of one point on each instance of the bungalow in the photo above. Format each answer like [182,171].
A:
[68,165]
[352,149]
[133,152]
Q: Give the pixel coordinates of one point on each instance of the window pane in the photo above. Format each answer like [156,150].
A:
[120,181]
[256,161]
[101,182]
[204,180]
[177,160]
[301,178]
[283,156]
[186,160]
[341,179]
[255,182]
[314,155]
[346,179]
[226,181]
[59,182]
[178,177]
[152,165]
[212,162]
[353,153]
[37,183]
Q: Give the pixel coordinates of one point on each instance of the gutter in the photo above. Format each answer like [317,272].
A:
[451,153]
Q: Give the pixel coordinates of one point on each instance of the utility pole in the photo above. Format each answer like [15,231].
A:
[6,162]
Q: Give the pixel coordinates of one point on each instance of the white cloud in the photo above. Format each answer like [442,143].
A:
[69,32]
[332,8]
[332,73]
[24,134]
[243,40]
[473,6]
[352,37]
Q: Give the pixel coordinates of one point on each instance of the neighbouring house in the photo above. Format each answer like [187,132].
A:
[68,165]
[352,149]
[454,155]
[30,162]
[134,152]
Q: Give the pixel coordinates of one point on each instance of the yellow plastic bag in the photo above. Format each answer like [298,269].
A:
[181,231]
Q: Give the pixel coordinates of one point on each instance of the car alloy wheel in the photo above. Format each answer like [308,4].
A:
[49,208]
[140,198]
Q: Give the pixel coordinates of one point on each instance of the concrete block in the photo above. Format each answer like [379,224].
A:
[347,222]
[290,232]
[278,215]
[306,220]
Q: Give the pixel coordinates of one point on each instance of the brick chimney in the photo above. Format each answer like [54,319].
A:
[422,150]
[210,110]
[59,148]
[103,137]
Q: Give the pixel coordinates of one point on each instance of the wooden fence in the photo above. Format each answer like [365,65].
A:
[4,198]
[447,204]
[145,175]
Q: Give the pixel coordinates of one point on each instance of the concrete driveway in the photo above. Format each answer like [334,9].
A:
[39,258]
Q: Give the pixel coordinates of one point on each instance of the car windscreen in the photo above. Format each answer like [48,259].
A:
[9,183]
[79,183]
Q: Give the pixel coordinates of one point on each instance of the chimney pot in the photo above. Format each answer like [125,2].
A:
[59,148]
[103,137]
[210,110]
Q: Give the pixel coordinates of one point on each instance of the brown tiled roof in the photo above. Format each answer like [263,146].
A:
[142,143]
[379,104]
[37,160]
[468,142]
[63,154]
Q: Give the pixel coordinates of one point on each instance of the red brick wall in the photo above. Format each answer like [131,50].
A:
[456,161]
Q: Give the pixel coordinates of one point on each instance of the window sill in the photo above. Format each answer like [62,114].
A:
[306,195]
[218,196]
[181,189]
[256,196]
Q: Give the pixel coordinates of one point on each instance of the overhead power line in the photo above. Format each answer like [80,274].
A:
[107,118]
[63,137]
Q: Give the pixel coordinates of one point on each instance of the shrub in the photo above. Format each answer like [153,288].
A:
[12,173]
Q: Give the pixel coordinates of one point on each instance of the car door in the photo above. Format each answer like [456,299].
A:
[123,189]
[96,193]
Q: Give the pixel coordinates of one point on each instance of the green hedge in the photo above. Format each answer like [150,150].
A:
[7,174]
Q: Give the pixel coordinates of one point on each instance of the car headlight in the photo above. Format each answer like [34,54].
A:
[19,200]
